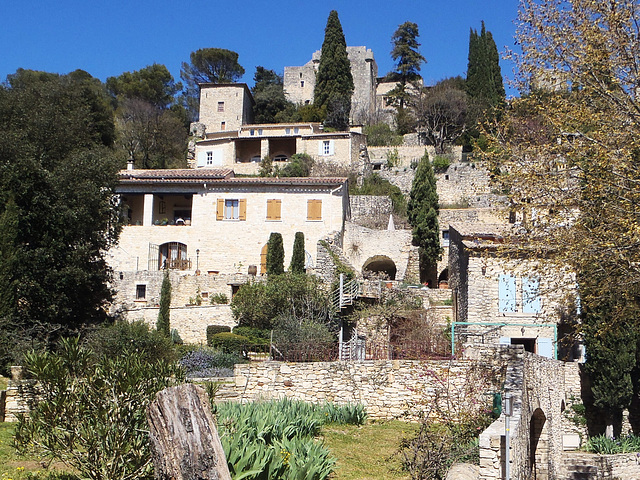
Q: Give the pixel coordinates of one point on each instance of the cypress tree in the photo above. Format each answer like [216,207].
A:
[422,211]
[297,258]
[163,324]
[334,82]
[484,78]
[275,255]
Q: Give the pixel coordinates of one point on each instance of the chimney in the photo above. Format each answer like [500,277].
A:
[130,164]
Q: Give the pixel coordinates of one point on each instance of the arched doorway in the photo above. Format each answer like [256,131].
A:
[538,446]
[173,255]
[380,265]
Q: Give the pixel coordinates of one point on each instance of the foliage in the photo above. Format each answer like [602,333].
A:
[228,342]
[275,254]
[256,335]
[299,165]
[57,184]
[266,167]
[484,79]
[92,413]
[257,304]
[567,150]
[441,163]
[610,446]
[218,299]
[422,211]
[376,185]
[334,82]
[208,362]
[214,329]
[152,84]
[408,63]
[124,338]
[381,135]
[268,92]
[442,112]
[163,325]
[298,256]
[208,65]
[340,267]
[275,440]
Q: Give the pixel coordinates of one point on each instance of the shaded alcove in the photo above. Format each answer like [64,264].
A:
[380,263]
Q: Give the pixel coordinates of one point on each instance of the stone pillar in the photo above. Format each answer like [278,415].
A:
[147,218]
[264,148]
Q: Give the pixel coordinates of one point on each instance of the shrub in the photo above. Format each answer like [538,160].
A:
[256,335]
[298,256]
[299,165]
[91,414]
[376,185]
[218,299]
[380,135]
[215,329]
[441,163]
[229,342]
[163,324]
[124,338]
[275,254]
[206,362]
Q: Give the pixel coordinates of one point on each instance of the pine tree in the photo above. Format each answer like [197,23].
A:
[275,255]
[422,211]
[163,325]
[484,78]
[297,258]
[334,82]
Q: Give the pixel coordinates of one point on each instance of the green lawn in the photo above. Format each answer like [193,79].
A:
[363,453]
[367,452]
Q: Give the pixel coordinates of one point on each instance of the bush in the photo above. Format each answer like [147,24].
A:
[380,135]
[299,165]
[124,338]
[214,330]
[91,414]
[206,362]
[218,299]
[229,342]
[376,185]
[441,163]
[256,335]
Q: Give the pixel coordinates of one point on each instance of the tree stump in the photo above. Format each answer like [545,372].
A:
[184,440]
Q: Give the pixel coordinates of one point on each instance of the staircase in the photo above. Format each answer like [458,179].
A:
[345,294]
[579,466]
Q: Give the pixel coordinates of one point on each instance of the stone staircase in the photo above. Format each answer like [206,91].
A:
[580,466]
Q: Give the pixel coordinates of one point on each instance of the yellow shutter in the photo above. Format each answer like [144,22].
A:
[314,209]
[274,208]
[220,209]
[263,259]
[243,209]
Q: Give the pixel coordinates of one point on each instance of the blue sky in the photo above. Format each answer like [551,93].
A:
[106,38]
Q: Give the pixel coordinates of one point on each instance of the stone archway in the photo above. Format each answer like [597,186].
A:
[380,263]
[538,446]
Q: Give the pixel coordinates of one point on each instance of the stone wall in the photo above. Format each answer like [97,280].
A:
[388,389]
[589,466]
[364,208]
[235,106]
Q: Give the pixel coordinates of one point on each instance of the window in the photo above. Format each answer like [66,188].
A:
[221,106]
[445,234]
[506,293]
[141,292]
[302,83]
[223,125]
[314,209]
[296,129]
[530,295]
[274,209]
[231,209]
[259,131]
[287,131]
[209,158]
[325,147]
[252,132]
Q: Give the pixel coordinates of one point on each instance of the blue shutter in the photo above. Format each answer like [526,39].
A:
[545,347]
[507,293]
[530,295]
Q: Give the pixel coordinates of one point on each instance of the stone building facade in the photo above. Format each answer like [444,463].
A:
[225,106]
[299,82]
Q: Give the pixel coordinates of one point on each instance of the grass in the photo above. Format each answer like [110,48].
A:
[367,452]
[363,453]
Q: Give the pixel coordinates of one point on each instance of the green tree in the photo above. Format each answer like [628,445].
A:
[299,165]
[298,256]
[268,92]
[207,65]
[484,78]
[91,414]
[58,178]
[153,84]
[163,325]
[408,61]
[275,254]
[422,211]
[334,82]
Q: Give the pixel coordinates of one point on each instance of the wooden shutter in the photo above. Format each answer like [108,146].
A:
[274,208]
[202,159]
[314,209]
[242,203]
[331,147]
[263,259]
[220,209]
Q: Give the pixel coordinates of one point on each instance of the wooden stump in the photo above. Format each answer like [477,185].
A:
[184,440]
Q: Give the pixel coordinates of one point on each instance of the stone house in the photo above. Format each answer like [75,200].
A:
[506,298]
[209,222]
[228,138]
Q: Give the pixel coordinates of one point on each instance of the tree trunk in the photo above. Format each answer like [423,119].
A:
[184,440]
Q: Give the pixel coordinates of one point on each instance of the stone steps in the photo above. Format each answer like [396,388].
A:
[580,467]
